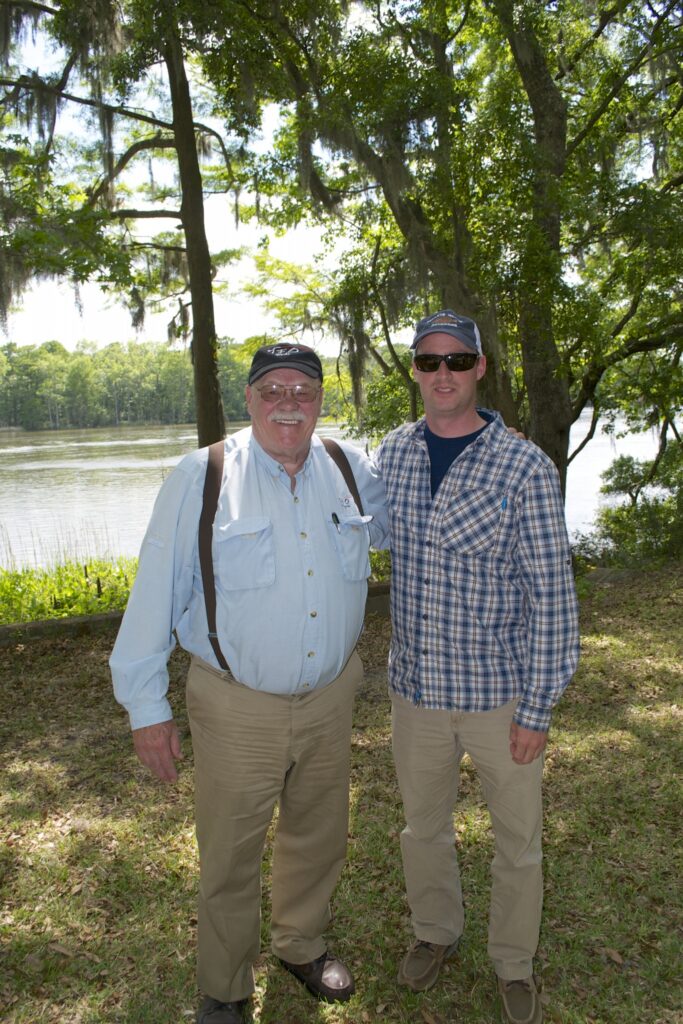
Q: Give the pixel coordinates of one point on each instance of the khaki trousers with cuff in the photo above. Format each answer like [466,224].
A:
[251,750]
[428,747]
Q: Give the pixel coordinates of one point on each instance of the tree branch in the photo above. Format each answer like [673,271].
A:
[30,5]
[589,436]
[654,466]
[673,183]
[33,83]
[155,142]
[125,214]
[36,84]
[619,84]
[61,84]
[606,17]
[669,333]
[181,249]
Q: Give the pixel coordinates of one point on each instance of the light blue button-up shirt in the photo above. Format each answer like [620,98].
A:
[291,572]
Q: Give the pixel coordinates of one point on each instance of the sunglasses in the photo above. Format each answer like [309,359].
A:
[299,392]
[456,362]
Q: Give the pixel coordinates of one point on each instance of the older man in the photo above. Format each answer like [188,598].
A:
[484,641]
[290,559]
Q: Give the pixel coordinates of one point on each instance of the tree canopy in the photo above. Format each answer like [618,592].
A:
[65,197]
[519,162]
[516,161]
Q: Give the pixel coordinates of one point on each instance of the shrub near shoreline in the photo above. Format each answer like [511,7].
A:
[75,588]
[29,595]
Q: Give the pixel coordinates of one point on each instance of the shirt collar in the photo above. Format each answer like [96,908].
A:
[273,466]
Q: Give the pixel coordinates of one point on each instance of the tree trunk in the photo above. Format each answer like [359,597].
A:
[547,388]
[209,407]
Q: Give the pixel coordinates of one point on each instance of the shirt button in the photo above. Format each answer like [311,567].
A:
[314,615]
[425,651]
[426,581]
[296,500]
[425,617]
[303,535]
[310,572]
[311,654]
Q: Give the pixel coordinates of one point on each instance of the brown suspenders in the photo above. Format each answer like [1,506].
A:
[212,487]
[338,455]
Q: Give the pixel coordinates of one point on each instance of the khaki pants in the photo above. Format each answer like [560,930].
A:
[428,748]
[251,750]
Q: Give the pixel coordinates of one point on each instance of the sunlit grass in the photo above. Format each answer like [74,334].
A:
[98,862]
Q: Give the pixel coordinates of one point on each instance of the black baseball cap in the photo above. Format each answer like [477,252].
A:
[287,357]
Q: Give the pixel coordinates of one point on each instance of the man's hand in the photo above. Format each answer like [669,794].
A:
[526,744]
[158,747]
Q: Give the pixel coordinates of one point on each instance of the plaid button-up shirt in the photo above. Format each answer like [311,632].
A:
[482,596]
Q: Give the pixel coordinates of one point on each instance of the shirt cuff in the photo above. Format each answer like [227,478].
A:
[150,714]
[530,717]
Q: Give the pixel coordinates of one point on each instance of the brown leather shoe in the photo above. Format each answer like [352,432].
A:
[326,978]
[422,963]
[520,1000]
[212,1011]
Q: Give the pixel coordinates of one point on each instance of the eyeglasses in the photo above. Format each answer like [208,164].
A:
[299,392]
[456,362]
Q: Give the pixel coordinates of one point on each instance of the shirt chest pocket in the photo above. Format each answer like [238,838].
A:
[244,553]
[352,541]
[477,523]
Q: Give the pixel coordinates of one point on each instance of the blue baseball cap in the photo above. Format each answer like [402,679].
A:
[448,322]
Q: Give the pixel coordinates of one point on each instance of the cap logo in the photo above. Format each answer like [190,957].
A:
[441,319]
[284,350]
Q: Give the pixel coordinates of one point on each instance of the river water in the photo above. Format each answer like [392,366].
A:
[78,494]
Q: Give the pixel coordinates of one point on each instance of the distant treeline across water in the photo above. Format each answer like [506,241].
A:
[46,387]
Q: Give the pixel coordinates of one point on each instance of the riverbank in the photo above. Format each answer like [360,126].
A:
[99,871]
[86,625]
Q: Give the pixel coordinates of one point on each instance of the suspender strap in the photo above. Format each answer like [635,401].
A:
[212,487]
[338,455]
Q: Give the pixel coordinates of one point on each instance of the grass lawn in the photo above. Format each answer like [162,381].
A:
[98,866]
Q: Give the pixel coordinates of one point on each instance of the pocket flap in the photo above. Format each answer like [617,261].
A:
[249,526]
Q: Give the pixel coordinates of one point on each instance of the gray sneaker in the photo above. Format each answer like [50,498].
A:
[521,1003]
[421,965]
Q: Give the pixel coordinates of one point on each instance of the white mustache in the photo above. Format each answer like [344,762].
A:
[286,417]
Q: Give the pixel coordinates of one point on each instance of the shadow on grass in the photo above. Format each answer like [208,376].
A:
[100,871]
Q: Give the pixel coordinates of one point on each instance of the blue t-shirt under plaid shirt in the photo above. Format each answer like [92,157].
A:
[482,594]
